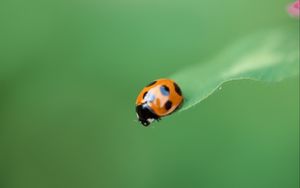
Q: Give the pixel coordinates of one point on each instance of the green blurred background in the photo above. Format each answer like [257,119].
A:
[69,75]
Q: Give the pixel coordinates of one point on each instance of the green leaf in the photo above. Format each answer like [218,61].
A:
[266,56]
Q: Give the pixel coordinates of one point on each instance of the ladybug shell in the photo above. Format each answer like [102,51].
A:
[163,96]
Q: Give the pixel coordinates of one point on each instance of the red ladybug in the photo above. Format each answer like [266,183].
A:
[158,99]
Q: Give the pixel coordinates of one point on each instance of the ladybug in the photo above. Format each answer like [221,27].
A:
[158,99]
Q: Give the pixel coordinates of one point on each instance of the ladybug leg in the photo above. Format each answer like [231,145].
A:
[145,123]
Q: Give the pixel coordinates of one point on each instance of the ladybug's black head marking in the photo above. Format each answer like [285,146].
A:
[145,115]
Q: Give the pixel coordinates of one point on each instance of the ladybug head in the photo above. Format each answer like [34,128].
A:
[145,114]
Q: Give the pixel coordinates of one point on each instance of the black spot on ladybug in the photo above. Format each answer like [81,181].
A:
[177,89]
[144,95]
[152,83]
[165,90]
[168,105]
